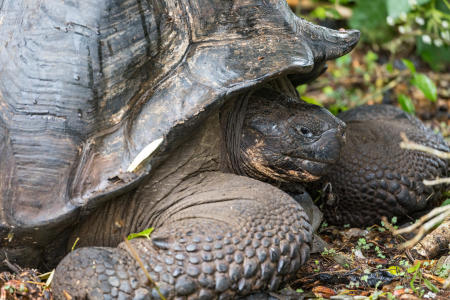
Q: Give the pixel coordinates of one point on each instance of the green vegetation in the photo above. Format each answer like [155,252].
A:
[143,234]
[397,25]
[403,42]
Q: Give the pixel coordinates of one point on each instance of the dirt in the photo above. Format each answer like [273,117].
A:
[368,263]
[23,284]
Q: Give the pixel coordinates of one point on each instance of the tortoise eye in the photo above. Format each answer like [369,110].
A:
[304,131]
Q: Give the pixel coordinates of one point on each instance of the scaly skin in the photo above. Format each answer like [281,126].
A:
[374,176]
[218,235]
[228,236]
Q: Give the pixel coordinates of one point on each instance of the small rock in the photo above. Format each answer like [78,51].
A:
[141,294]
[442,267]
[354,232]
[318,244]
[429,295]
[358,254]
[314,214]
[342,297]
[342,260]
[408,297]
[434,242]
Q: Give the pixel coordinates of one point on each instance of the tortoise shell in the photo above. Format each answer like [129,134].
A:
[85,86]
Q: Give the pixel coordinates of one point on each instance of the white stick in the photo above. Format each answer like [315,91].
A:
[144,154]
[437,181]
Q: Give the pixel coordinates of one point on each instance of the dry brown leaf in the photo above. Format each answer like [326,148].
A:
[323,291]
[435,278]
[408,297]
[67,295]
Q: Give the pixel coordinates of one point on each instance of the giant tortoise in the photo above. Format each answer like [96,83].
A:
[374,177]
[120,115]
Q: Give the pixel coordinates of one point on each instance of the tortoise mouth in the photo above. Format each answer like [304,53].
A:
[311,169]
[313,160]
[298,170]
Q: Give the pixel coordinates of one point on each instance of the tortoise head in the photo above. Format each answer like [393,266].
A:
[284,139]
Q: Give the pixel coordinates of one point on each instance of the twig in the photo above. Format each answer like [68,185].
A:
[49,280]
[409,256]
[437,181]
[407,144]
[423,219]
[141,264]
[35,282]
[425,224]
[424,229]
[434,217]
[13,267]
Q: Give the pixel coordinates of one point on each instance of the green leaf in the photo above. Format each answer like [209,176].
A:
[370,57]
[394,270]
[311,100]
[344,61]
[414,268]
[336,108]
[75,243]
[413,279]
[409,64]
[369,16]
[436,57]
[396,7]
[320,13]
[389,68]
[406,104]
[301,89]
[446,202]
[328,90]
[426,85]
[430,286]
[144,233]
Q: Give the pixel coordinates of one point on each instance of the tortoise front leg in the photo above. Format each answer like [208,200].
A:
[224,236]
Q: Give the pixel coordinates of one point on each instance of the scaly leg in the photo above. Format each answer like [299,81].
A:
[224,236]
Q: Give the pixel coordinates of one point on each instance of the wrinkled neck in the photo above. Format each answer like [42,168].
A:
[232,119]
[235,158]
